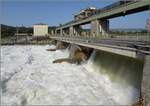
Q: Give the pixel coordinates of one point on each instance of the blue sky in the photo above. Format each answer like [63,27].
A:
[55,12]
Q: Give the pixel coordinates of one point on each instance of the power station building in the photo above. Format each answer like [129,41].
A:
[40,29]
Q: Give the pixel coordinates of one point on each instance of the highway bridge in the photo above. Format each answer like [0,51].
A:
[134,49]
[103,16]
[99,37]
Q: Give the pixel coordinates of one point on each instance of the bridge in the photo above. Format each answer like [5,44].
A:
[99,21]
[99,38]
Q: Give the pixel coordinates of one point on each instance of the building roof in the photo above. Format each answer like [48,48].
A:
[40,24]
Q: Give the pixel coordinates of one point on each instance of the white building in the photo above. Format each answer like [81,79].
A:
[40,29]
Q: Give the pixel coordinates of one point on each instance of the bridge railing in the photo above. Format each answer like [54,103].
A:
[114,5]
[144,38]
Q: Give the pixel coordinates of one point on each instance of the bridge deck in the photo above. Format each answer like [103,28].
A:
[121,10]
[121,47]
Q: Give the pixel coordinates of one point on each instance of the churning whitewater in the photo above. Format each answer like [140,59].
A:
[28,77]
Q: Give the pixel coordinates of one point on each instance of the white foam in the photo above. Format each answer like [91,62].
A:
[29,77]
[121,93]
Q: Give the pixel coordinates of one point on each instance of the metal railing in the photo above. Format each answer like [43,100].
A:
[142,38]
[115,5]
[127,44]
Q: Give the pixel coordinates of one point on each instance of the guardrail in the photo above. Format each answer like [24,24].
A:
[141,38]
[115,5]
[145,38]
[137,46]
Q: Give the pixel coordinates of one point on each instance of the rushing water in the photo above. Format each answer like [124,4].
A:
[121,76]
[29,77]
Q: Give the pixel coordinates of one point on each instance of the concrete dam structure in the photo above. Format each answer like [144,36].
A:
[123,75]
[125,72]
[123,61]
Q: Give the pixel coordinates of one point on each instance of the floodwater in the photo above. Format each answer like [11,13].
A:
[28,77]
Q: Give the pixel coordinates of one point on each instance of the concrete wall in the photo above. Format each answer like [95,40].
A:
[146,81]
[40,30]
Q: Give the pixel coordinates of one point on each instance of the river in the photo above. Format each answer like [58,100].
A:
[28,77]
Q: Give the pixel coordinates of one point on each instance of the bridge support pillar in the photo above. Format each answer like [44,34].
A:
[52,32]
[61,32]
[58,32]
[71,31]
[74,30]
[104,27]
[95,30]
[77,30]
[65,31]
[99,27]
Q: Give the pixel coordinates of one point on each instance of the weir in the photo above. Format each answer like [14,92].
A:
[124,74]
[127,71]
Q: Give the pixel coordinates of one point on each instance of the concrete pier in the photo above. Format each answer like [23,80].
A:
[99,27]
[146,81]
[71,31]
